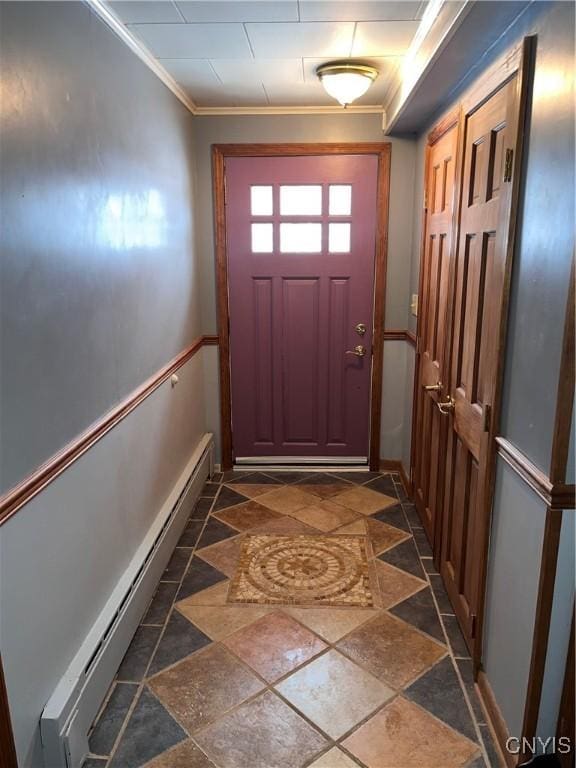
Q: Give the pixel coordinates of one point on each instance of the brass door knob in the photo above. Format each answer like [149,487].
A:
[358,350]
[448,406]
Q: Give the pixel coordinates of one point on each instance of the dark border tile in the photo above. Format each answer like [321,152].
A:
[420,611]
[138,655]
[180,639]
[177,564]
[214,532]
[199,576]
[104,734]
[455,637]
[161,603]
[444,604]
[405,557]
[439,692]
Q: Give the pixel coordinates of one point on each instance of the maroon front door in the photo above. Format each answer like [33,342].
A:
[301,235]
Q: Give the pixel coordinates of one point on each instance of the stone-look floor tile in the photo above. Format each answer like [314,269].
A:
[209,490]
[254,478]
[201,510]
[219,621]
[190,534]
[400,490]
[288,478]
[161,603]
[420,611]
[150,731]
[200,575]
[334,758]
[105,732]
[216,595]
[358,478]
[429,566]
[324,515]
[391,650]
[402,734]
[444,604]
[183,755]
[334,693]
[323,478]
[383,536]
[393,516]
[287,499]
[94,762]
[439,692]
[138,655]
[275,645]
[361,499]
[251,491]
[227,498]
[263,733]
[248,515]
[177,564]
[422,543]
[204,686]
[495,758]
[412,516]
[217,477]
[332,623]
[324,491]
[404,556]
[214,532]
[478,763]
[467,672]
[455,637]
[180,639]
[284,526]
[383,484]
[235,474]
[223,556]
[395,585]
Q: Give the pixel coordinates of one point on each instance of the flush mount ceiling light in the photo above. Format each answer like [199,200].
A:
[346,81]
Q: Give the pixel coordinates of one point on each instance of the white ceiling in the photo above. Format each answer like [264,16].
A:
[263,53]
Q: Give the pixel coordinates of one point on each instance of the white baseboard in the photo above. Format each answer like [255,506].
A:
[71,709]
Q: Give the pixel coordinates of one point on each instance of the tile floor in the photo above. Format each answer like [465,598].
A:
[212,684]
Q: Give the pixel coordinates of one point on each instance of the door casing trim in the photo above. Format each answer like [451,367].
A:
[220,152]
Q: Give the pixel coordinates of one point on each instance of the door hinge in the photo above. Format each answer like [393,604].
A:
[472,625]
[486,417]
[508,165]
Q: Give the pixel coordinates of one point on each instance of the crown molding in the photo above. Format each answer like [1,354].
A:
[103,10]
[304,110]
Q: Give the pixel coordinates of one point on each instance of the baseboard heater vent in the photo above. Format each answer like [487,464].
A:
[75,702]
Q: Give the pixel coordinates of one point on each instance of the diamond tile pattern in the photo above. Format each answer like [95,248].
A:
[208,683]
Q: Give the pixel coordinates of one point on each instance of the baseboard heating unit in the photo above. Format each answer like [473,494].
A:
[75,702]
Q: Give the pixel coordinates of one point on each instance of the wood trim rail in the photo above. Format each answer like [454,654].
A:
[556,496]
[27,489]
[400,335]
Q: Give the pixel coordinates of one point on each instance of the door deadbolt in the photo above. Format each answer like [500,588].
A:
[360,329]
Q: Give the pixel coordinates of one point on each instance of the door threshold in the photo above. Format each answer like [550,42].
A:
[291,461]
[301,467]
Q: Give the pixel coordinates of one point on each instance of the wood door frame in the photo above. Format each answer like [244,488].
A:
[220,152]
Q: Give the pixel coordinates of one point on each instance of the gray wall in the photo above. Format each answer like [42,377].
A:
[99,289]
[397,391]
[98,277]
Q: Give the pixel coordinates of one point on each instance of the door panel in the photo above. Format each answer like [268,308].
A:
[429,437]
[478,301]
[301,237]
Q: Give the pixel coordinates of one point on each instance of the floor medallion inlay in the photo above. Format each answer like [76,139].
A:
[303,570]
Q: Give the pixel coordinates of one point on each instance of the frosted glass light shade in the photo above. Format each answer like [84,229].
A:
[346,82]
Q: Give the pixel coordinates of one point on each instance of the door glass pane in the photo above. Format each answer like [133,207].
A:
[301,238]
[301,200]
[339,238]
[340,200]
[261,201]
[262,238]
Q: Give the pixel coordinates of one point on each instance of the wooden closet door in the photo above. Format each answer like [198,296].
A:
[429,430]
[480,296]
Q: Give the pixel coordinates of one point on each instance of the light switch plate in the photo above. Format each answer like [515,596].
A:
[414,305]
